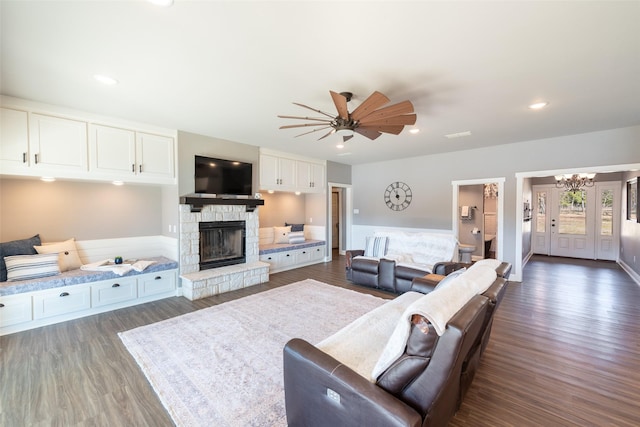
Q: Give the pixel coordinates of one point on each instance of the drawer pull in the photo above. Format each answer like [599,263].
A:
[115,285]
[288,254]
[1,305]
[64,294]
[157,278]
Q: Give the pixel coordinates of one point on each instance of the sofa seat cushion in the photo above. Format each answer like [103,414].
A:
[365,264]
[359,344]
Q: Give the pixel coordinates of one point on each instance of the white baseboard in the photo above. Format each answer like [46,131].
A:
[635,276]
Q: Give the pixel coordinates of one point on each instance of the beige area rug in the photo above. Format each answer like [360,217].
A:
[222,366]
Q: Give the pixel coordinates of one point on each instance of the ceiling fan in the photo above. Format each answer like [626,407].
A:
[368,119]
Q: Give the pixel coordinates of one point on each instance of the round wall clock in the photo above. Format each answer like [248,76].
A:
[397,196]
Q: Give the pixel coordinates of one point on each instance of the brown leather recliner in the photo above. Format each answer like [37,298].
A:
[321,391]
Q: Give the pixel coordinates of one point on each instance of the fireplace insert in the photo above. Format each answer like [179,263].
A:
[222,243]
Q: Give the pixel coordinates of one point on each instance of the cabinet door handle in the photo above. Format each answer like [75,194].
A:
[36,158]
[115,285]
[64,294]
[1,305]
[157,278]
[24,157]
[133,167]
[140,168]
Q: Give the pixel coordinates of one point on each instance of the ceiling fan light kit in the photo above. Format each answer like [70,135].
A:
[369,119]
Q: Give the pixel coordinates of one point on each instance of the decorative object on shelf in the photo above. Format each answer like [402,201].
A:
[367,119]
[397,196]
[574,182]
[526,216]
[491,191]
[118,260]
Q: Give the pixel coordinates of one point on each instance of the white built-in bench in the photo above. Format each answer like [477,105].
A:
[287,256]
[77,293]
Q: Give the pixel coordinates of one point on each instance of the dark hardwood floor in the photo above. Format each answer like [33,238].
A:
[564,351]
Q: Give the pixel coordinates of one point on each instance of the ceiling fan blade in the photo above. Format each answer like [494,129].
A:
[306,118]
[369,133]
[373,102]
[301,126]
[326,135]
[404,107]
[312,131]
[341,104]
[384,128]
[313,109]
[407,119]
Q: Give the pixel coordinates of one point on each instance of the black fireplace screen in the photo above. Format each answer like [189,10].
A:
[222,243]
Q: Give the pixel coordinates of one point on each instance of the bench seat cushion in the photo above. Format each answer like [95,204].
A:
[77,276]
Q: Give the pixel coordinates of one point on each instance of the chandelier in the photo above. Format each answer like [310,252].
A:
[574,182]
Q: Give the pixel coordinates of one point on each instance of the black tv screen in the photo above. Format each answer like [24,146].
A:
[223,177]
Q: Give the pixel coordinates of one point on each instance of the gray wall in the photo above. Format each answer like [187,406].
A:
[338,173]
[629,231]
[430,177]
[61,210]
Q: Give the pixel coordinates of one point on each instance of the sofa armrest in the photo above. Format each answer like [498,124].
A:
[320,391]
[504,270]
[350,254]
[446,267]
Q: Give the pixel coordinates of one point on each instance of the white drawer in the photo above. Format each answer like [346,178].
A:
[61,301]
[303,255]
[15,309]
[317,252]
[113,291]
[156,283]
[287,258]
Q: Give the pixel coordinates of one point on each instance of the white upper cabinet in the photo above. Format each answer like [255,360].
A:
[155,156]
[277,173]
[14,139]
[113,150]
[129,155]
[288,174]
[310,176]
[46,140]
[57,143]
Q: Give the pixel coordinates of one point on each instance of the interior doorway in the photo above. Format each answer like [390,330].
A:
[339,202]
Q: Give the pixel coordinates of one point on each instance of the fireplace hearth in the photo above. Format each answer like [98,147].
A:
[222,243]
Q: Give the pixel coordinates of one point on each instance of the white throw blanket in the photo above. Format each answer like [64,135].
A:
[359,344]
[438,306]
[119,269]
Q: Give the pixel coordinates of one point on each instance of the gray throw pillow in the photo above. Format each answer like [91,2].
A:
[17,247]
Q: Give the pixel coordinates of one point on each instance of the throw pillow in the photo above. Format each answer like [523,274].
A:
[296,237]
[449,278]
[16,247]
[68,257]
[25,267]
[281,234]
[376,247]
[295,227]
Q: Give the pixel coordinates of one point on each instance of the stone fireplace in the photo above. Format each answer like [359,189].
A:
[222,243]
[198,282]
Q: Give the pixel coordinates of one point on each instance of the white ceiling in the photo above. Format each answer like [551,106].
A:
[227,68]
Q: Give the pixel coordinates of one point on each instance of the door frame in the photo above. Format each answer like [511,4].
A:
[346,213]
[499,208]
[516,274]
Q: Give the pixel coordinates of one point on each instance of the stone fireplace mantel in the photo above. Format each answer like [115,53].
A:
[198,202]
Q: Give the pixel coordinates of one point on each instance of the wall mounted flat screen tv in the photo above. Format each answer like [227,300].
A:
[223,177]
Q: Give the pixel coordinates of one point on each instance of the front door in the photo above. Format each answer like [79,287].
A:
[577,224]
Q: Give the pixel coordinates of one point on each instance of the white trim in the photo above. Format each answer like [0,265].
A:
[347,207]
[499,213]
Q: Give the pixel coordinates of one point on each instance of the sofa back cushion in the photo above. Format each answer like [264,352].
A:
[376,247]
[420,247]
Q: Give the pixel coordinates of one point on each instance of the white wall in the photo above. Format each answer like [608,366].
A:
[430,177]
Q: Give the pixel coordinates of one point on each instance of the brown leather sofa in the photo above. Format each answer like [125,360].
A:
[322,391]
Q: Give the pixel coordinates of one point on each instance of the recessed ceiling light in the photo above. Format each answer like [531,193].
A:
[458,134]
[105,80]
[414,131]
[538,105]
[340,146]
[47,179]
[118,183]
[161,3]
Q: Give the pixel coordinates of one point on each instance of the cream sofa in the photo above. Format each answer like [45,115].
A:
[392,259]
